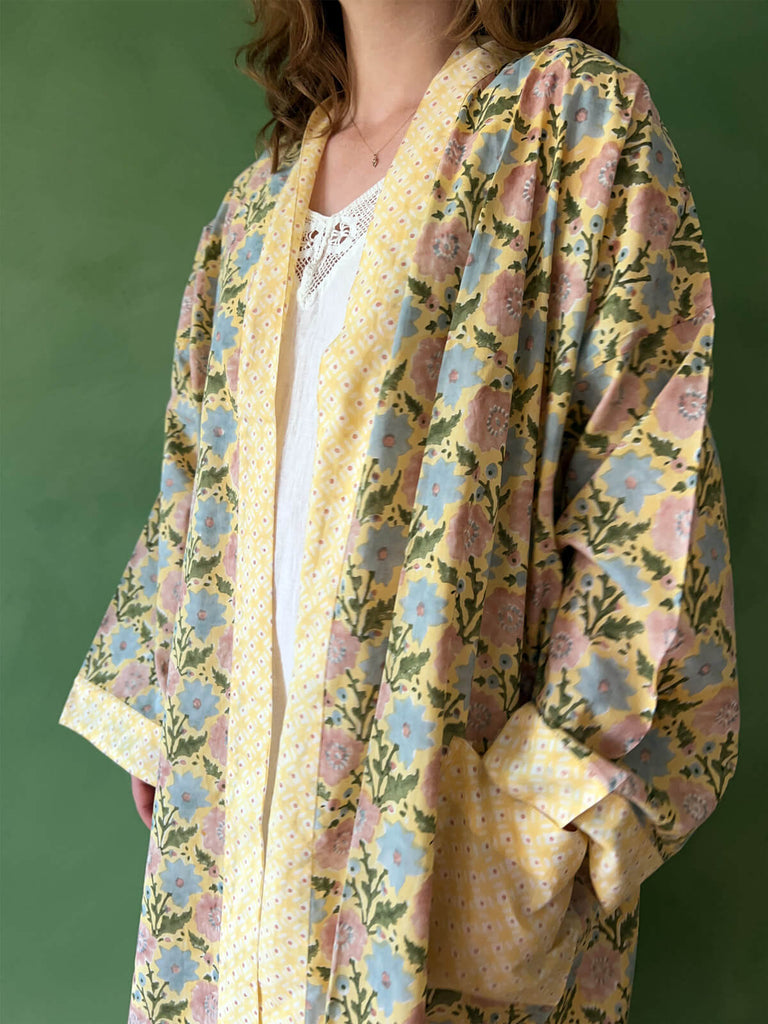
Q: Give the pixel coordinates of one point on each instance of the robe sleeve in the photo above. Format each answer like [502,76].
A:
[116,699]
[630,732]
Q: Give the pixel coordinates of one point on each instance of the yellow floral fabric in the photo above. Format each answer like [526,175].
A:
[515,689]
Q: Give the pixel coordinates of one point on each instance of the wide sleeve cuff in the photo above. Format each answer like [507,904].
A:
[547,769]
[115,728]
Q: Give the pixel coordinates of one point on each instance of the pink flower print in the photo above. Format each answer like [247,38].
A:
[204,1004]
[546,590]
[486,717]
[663,638]
[137,1016]
[518,507]
[623,736]
[366,820]
[339,755]
[332,847]
[213,831]
[503,617]
[542,87]
[633,85]
[181,513]
[671,526]
[131,679]
[599,972]
[488,418]
[163,771]
[171,590]
[172,679]
[720,715]
[145,945]
[234,464]
[442,248]
[652,216]
[518,193]
[568,285]
[232,371]
[598,176]
[138,554]
[448,646]
[217,739]
[224,649]
[567,645]
[153,850]
[612,414]
[681,407]
[693,802]
[162,660]
[230,558]
[109,621]
[198,365]
[208,916]
[343,649]
[459,144]
[503,304]
[469,532]
[349,938]
[425,365]
[422,907]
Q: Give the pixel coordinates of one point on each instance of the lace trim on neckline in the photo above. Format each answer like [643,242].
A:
[327,239]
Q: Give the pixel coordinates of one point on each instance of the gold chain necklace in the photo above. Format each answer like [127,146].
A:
[376,155]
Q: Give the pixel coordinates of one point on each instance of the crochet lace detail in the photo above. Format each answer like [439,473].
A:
[328,238]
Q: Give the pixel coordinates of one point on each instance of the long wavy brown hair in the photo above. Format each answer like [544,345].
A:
[299,54]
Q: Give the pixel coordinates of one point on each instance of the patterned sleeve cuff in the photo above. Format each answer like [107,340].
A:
[115,728]
[543,767]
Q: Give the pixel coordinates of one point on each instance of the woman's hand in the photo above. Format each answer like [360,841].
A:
[144,798]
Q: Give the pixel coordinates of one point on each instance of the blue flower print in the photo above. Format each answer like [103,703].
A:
[438,486]
[212,518]
[704,668]
[586,112]
[658,293]
[249,253]
[219,430]
[604,685]
[389,437]
[495,150]
[633,479]
[383,550]
[399,854]
[149,704]
[189,417]
[148,577]
[173,480]
[314,1006]
[483,258]
[627,577]
[650,758]
[187,794]
[423,608]
[388,976]
[205,613]
[373,666]
[407,728]
[406,321]
[180,881]
[461,368]
[663,162]
[516,455]
[223,334]
[713,551]
[198,702]
[124,644]
[176,967]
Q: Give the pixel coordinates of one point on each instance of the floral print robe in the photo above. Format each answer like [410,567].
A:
[515,689]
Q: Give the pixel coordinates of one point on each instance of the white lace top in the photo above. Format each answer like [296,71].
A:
[328,258]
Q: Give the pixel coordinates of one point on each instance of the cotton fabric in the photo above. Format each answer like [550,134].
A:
[516,610]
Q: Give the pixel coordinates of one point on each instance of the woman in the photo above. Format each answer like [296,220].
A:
[441,379]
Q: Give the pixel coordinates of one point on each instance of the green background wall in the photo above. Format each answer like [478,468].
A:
[124,122]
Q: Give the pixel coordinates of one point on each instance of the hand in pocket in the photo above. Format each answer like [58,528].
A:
[505,920]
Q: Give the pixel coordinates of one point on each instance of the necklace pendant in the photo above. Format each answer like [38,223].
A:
[375,160]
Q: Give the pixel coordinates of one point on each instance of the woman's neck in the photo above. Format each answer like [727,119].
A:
[394,50]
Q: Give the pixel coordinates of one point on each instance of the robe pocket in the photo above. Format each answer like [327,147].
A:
[504,925]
